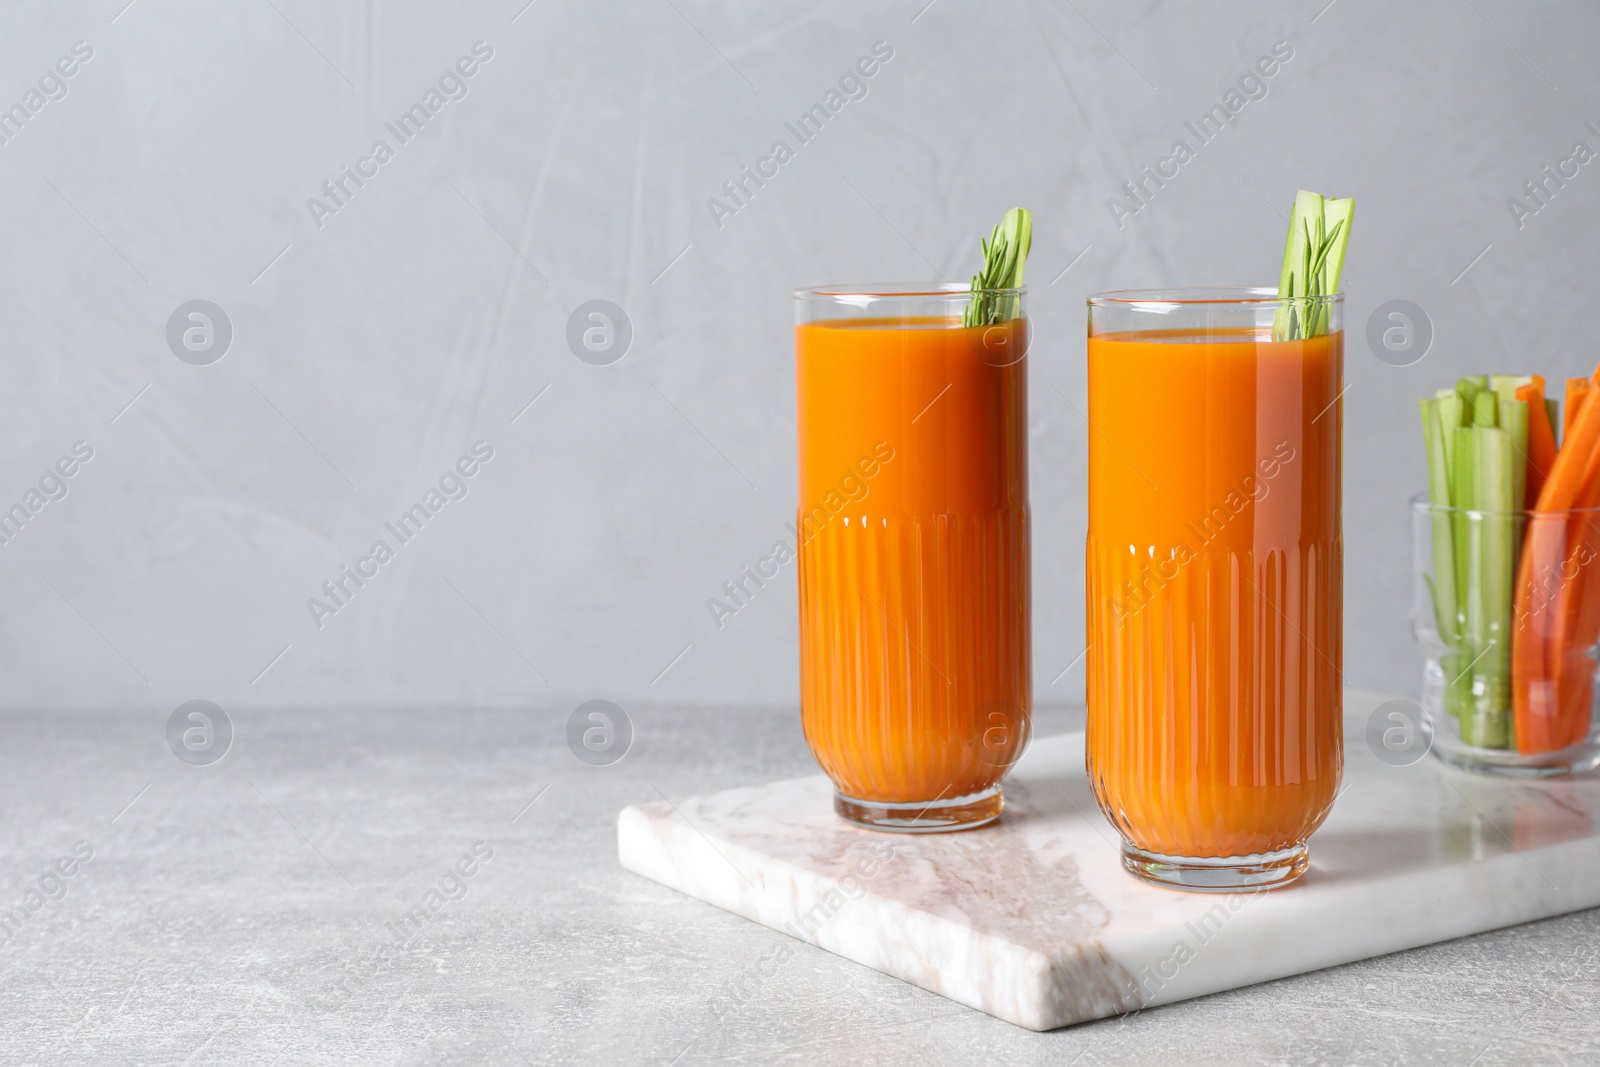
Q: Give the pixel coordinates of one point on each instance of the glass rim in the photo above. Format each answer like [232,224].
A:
[891,290]
[1202,295]
[1420,503]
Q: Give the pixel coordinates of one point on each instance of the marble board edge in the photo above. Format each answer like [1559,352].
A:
[1040,990]
[657,842]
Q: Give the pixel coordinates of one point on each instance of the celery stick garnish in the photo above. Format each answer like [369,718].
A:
[1005,254]
[1313,258]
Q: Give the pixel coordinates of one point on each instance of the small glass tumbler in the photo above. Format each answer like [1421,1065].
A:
[913,542]
[1506,606]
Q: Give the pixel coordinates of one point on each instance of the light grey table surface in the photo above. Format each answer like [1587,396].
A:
[234,914]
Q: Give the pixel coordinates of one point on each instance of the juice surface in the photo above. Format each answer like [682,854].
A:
[913,528]
[1215,588]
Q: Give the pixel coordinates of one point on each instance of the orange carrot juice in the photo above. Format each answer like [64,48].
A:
[913,528]
[1215,572]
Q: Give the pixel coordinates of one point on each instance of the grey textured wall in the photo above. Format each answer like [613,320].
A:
[376,338]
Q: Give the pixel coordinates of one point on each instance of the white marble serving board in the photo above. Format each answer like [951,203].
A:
[1034,920]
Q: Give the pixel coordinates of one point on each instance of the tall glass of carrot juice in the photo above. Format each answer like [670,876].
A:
[913,529]
[1215,582]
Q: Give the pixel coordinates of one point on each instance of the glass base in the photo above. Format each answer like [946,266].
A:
[1508,763]
[956,813]
[1226,874]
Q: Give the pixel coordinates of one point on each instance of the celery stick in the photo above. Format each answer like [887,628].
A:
[1467,389]
[1463,488]
[1451,415]
[1487,723]
[1552,409]
[1292,281]
[1337,216]
[1514,421]
[1443,587]
[1451,396]
[1313,259]
[1467,546]
[1485,409]
[1005,257]
[1505,386]
[1478,382]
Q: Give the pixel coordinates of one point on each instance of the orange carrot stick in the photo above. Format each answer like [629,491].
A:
[1578,614]
[1542,717]
[1566,479]
[1577,389]
[1541,439]
[1574,672]
[1535,616]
